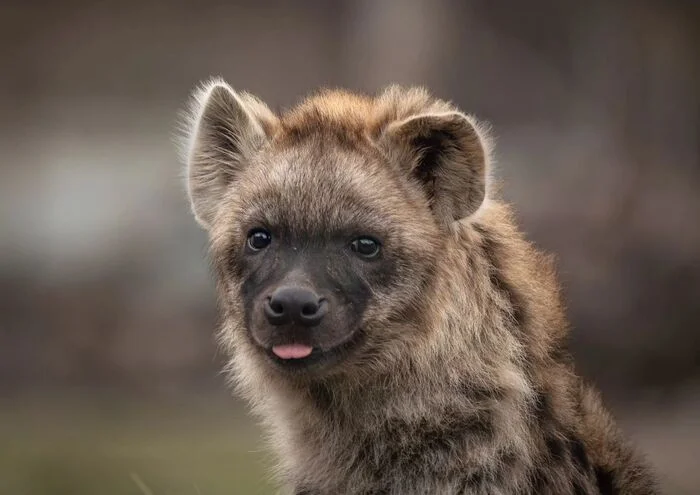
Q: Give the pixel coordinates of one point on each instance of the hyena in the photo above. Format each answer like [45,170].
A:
[384,317]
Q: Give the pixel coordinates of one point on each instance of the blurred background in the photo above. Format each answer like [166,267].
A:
[109,375]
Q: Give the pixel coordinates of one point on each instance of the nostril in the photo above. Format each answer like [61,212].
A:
[309,309]
[275,306]
[275,312]
[312,314]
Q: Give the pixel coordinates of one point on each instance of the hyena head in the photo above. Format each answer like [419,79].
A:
[327,223]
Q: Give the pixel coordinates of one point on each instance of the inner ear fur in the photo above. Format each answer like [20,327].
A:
[447,155]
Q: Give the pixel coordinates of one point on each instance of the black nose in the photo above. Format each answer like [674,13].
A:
[295,304]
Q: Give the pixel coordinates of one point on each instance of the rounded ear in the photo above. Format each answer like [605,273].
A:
[447,154]
[223,129]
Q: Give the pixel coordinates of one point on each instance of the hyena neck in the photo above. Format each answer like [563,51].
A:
[407,438]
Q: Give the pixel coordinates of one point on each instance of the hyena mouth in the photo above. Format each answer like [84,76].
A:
[299,357]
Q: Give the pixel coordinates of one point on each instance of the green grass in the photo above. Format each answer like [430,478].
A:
[58,449]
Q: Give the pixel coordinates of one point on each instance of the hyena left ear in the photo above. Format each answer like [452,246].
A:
[223,129]
[446,153]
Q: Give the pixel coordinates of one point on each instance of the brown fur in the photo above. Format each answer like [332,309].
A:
[462,383]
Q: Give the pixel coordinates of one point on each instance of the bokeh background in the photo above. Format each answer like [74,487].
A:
[109,375]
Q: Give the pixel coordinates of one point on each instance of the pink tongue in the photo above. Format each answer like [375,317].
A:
[292,351]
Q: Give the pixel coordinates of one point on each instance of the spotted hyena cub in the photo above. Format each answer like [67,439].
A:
[383,314]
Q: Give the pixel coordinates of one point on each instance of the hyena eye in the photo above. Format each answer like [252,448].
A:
[259,239]
[365,247]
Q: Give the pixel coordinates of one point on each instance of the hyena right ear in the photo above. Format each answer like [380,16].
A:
[223,129]
[447,154]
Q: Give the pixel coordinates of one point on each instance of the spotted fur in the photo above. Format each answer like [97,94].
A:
[461,383]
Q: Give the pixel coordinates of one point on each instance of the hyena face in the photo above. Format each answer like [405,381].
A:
[326,224]
[318,256]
